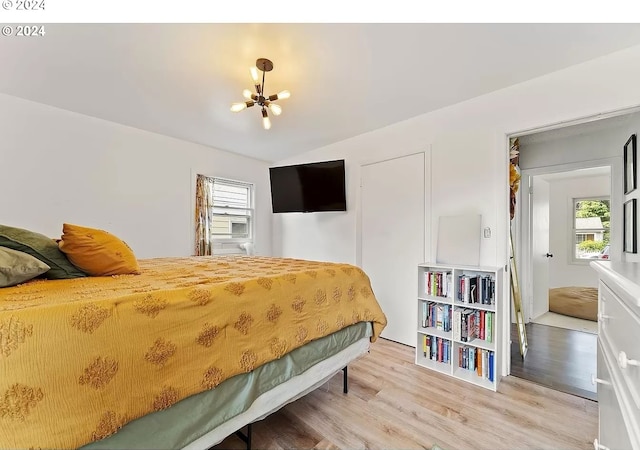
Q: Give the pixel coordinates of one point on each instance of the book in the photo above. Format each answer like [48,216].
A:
[449,285]
[440,317]
[486,294]
[434,349]
[464,328]
[491,371]
[464,283]
[493,292]
[457,324]
[425,314]
[471,331]
[473,289]
[472,358]
[447,318]
[467,286]
[427,283]
[485,364]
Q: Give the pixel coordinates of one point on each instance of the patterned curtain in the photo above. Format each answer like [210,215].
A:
[514,174]
[204,204]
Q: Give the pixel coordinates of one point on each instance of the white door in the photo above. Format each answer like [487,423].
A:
[540,246]
[393,230]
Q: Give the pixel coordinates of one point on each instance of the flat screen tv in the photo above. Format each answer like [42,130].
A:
[308,187]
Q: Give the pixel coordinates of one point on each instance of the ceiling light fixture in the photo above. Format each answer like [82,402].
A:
[259,98]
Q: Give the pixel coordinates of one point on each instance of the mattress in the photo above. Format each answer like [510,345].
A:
[204,419]
[81,358]
[574,301]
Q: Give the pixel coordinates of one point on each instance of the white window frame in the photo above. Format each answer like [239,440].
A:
[233,212]
[572,212]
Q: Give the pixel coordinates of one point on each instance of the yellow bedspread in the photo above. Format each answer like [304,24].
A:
[79,358]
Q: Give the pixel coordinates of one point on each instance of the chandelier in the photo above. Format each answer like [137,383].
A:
[259,97]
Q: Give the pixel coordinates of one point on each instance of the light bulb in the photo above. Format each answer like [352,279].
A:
[247,94]
[284,94]
[237,107]
[254,75]
[275,109]
[266,123]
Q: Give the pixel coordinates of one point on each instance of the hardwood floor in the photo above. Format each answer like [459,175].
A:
[393,404]
[558,358]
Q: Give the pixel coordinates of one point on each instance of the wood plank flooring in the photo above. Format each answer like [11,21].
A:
[393,404]
[558,358]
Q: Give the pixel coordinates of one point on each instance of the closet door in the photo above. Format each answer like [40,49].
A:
[393,233]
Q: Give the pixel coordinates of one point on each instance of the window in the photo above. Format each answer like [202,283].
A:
[591,218]
[232,212]
[223,216]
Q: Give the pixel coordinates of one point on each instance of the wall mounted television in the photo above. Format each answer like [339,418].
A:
[309,187]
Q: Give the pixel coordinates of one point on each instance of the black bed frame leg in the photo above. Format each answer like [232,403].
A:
[345,381]
[246,438]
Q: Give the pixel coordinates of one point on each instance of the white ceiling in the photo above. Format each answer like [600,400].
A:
[345,79]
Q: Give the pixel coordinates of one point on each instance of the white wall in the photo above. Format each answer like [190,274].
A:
[468,163]
[329,232]
[468,154]
[562,270]
[57,166]
[591,144]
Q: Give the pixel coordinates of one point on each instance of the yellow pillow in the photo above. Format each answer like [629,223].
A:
[97,252]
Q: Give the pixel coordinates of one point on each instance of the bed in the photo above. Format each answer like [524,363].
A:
[192,349]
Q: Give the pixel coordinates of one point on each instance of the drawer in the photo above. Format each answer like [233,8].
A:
[620,333]
[612,431]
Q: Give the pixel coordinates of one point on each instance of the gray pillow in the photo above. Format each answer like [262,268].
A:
[41,247]
[17,267]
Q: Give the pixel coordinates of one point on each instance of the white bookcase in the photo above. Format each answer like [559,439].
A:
[459,329]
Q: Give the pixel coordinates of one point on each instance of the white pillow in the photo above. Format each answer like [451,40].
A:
[17,267]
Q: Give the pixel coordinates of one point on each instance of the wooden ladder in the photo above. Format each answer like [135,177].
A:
[517,300]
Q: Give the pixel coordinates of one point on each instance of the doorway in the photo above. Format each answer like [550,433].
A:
[565,173]
[571,219]
[570,227]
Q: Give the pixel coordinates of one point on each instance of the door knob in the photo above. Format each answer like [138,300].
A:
[595,380]
[549,255]
[624,362]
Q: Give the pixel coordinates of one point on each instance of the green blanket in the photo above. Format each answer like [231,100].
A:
[194,416]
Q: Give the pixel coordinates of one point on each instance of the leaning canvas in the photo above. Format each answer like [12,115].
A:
[459,240]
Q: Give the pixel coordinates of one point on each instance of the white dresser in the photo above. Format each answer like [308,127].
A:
[618,355]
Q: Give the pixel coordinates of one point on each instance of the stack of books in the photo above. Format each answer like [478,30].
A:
[436,315]
[477,360]
[476,289]
[439,284]
[436,349]
[469,324]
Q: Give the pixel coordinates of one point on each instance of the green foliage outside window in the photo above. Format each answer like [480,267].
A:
[595,208]
[592,246]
